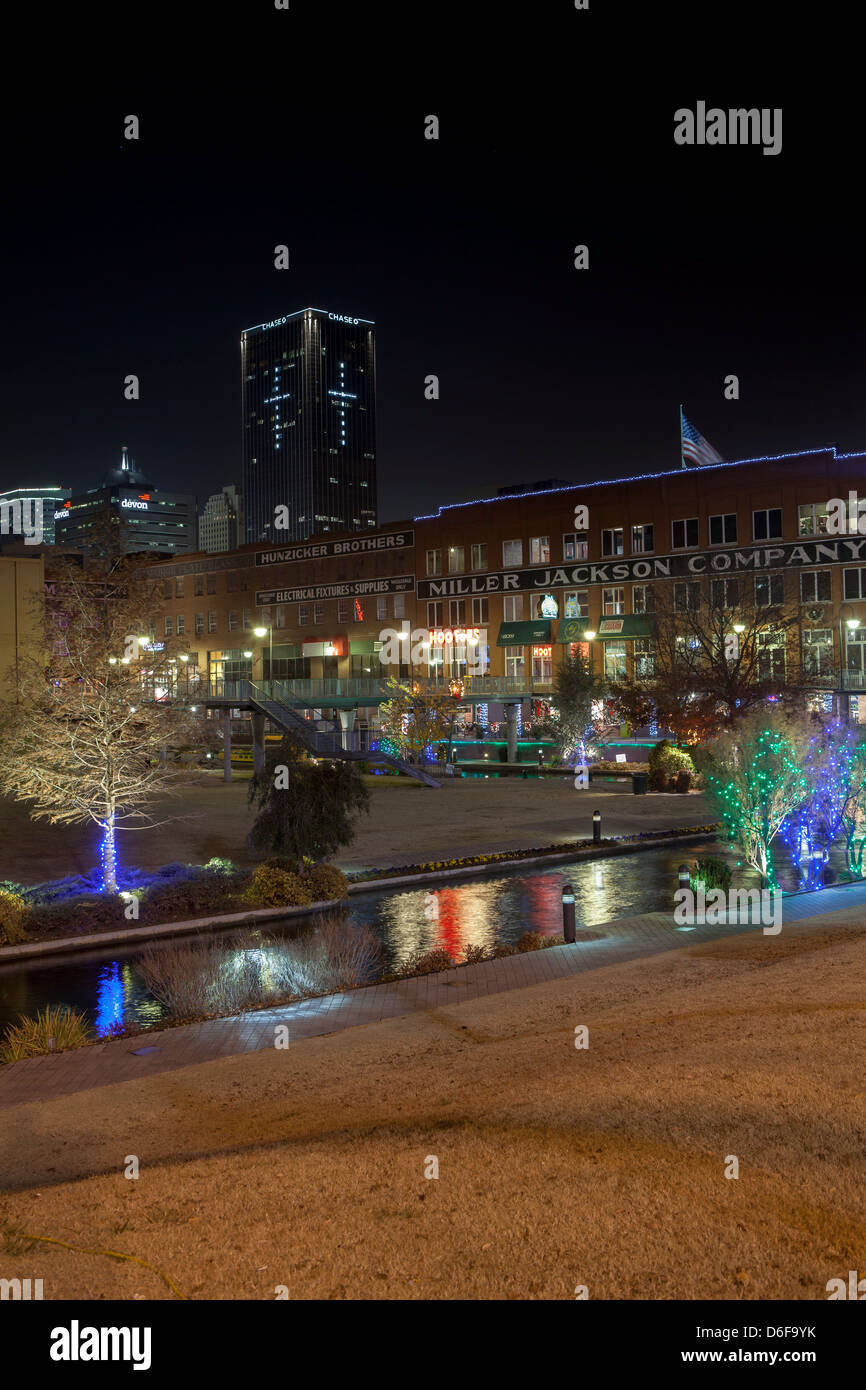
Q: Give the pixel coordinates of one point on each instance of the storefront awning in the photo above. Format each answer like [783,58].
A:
[524,634]
[572,630]
[624,629]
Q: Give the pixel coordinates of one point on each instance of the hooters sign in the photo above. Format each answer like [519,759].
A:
[457,636]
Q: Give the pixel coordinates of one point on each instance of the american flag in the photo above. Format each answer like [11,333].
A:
[694,446]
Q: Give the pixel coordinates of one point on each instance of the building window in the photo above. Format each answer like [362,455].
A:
[724,593]
[684,534]
[815,586]
[181,624]
[612,602]
[434,561]
[767,524]
[611,541]
[769,590]
[687,597]
[515,668]
[246,620]
[542,664]
[457,612]
[818,651]
[643,599]
[641,539]
[166,588]
[479,556]
[167,626]
[855,650]
[303,614]
[198,585]
[318,612]
[723,529]
[575,546]
[178,586]
[199,624]
[342,611]
[614,661]
[855,583]
[539,550]
[576,604]
[480,612]
[512,553]
[456,559]
[399,605]
[381,609]
[512,608]
[812,519]
[211,583]
[281,616]
[644,659]
[234,620]
[771,655]
[212,620]
[436,613]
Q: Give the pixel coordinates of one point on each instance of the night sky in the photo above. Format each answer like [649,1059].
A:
[150,257]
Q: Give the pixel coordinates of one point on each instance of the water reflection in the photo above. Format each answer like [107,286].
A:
[468,912]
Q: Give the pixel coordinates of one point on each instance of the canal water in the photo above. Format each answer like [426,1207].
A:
[106,985]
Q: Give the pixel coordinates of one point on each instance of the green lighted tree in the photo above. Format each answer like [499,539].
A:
[575,687]
[755,779]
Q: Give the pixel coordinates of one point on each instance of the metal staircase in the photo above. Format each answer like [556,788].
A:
[326,743]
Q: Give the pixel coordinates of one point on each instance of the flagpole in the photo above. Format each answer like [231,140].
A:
[682,460]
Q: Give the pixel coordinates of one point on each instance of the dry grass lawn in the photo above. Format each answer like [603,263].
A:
[557,1167]
[408,823]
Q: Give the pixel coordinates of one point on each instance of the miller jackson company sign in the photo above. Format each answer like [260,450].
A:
[845,550]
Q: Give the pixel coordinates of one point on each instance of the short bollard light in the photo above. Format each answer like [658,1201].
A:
[540,757]
[684,876]
[568,913]
[596,827]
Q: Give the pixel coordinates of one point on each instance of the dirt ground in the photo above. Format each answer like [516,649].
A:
[408,823]
[558,1167]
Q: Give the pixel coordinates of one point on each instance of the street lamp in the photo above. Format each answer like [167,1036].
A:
[589,635]
[269,633]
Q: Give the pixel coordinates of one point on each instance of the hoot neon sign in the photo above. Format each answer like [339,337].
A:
[459,636]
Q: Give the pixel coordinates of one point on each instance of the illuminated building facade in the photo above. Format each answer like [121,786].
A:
[492,593]
[308,389]
[152,520]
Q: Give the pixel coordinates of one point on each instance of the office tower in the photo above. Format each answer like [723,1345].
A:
[308,389]
[220,523]
[154,521]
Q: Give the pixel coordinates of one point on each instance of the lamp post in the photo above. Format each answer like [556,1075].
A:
[269,633]
[852,625]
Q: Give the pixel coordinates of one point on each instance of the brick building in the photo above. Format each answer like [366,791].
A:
[493,591]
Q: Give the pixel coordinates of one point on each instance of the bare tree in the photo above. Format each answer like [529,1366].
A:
[87,738]
[417,714]
[721,647]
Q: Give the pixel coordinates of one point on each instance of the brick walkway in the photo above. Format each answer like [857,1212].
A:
[148,1054]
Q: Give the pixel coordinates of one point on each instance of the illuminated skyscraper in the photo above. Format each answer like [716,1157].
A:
[308,390]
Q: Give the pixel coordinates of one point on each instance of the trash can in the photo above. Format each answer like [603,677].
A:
[640,783]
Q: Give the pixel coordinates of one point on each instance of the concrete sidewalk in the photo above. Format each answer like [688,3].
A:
[611,943]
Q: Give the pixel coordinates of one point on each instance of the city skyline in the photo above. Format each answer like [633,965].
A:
[461,250]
